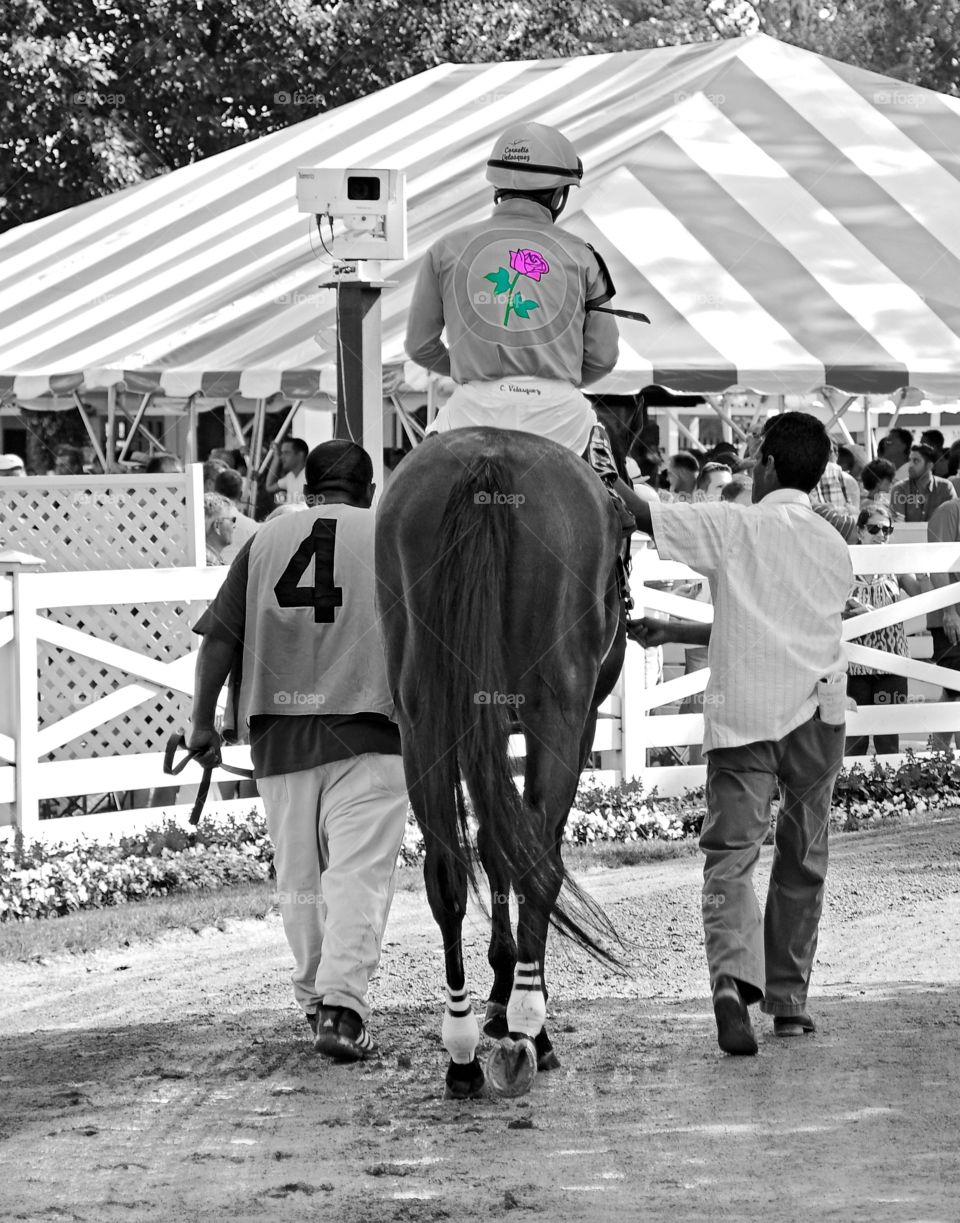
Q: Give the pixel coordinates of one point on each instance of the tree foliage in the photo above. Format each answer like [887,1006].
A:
[98,94]
[917,41]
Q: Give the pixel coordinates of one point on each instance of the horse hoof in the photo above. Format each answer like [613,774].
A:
[512,1066]
[495,1021]
[464,1082]
[549,1061]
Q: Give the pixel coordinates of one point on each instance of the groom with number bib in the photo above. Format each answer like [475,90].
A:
[517,298]
[298,603]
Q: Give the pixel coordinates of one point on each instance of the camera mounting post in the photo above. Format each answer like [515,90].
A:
[369,208]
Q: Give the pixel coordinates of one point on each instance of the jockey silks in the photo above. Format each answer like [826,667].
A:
[555,410]
[310,618]
[511,292]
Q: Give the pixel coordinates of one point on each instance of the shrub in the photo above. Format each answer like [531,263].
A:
[43,880]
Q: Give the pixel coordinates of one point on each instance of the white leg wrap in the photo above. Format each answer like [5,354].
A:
[460,1031]
[526,1010]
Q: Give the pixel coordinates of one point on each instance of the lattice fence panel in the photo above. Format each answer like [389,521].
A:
[68,682]
[115,525]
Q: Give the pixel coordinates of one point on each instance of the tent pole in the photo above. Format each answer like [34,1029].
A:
[284,428]
[111,445]
[230,413]
[899,402]
[191,429]
[680,426]
[94,442]
[256,433]
[134,426]
[847,435]
[715,402]
[838,412]
[407,424]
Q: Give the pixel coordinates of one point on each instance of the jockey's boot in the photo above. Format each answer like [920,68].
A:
[600,457]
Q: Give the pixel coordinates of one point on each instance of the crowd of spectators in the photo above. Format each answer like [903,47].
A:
[911,478]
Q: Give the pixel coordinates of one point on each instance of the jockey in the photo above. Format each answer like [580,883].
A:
[514,294]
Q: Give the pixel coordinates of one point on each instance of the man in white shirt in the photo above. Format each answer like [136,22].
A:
[779,577]
[293,461]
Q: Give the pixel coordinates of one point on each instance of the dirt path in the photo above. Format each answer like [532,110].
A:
[174,1081]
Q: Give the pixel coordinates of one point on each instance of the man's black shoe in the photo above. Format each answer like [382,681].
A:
[793,1025]
[342,1035]
[734,1029]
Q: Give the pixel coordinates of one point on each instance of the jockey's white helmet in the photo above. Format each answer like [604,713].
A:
[533,157]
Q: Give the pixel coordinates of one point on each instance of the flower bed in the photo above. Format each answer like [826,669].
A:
[40,880]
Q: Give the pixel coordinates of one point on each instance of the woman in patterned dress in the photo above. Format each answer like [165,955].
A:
[866,685]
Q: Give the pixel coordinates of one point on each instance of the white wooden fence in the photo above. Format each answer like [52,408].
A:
[915,720]
[106,522]
[38,723]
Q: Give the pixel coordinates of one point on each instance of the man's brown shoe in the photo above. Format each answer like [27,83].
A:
[734,1029]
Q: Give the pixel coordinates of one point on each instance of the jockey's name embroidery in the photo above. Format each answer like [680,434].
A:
[515,388]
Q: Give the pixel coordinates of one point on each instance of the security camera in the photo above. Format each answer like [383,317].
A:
[368,203]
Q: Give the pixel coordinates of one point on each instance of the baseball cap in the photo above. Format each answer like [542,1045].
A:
[10,462]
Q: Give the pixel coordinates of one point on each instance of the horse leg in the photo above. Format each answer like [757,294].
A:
[502,953]
[503,960]
[446,881]
[549,789]
[445,876]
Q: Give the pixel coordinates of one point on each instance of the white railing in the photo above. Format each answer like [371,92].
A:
[37,720]
[914,720]
[34,725]
[106,522]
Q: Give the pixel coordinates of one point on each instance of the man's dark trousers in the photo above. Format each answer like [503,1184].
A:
[770,956]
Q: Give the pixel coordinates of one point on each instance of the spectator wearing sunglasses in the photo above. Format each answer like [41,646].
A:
[220,520]
[229,484]
[871,591]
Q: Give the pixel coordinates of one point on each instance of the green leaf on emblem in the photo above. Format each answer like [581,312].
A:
[522,306]
[500,279]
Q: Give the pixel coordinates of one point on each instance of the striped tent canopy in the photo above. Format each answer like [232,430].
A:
[786,221]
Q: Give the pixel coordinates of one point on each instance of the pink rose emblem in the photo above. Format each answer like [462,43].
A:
[529,263]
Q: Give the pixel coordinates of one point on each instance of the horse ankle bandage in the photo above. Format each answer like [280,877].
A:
[526,1010]
[460,1031]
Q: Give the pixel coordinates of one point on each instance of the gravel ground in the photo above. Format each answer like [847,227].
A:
[174,1080]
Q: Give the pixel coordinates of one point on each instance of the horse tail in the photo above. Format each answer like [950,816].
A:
[464,690]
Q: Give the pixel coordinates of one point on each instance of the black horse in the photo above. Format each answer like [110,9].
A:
[501,611]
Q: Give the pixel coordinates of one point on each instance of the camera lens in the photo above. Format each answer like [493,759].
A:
[363,187]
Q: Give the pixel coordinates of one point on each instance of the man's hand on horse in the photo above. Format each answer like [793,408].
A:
[649,632]
[206,742]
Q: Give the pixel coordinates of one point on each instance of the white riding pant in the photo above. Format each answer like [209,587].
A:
[543,406]
[337,831]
